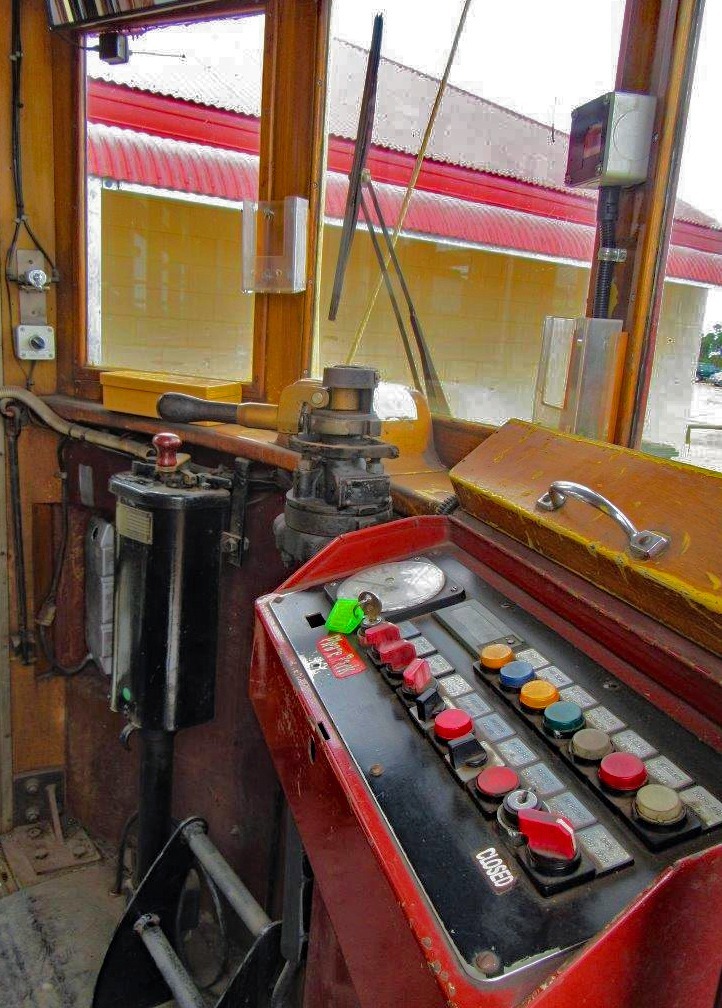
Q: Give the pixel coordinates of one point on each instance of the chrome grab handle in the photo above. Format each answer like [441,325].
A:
[642,544]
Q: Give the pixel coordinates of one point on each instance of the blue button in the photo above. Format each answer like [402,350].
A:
[516,673]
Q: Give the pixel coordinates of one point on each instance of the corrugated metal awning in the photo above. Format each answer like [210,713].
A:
[127,156]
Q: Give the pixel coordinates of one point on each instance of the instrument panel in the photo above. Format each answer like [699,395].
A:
[532,794]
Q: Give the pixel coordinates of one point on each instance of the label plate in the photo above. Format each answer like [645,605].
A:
[340,656]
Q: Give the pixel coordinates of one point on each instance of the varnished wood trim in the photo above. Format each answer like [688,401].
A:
[454,439]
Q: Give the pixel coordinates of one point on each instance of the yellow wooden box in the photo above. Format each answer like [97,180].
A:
[137,392]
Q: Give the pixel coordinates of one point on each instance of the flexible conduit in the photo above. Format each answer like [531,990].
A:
[42,411]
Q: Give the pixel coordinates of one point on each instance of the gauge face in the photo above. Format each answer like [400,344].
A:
[398,585]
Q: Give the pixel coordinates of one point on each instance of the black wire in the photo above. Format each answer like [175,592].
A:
[16,159]
[50,600]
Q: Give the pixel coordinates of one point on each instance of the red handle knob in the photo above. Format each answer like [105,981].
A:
[167,446]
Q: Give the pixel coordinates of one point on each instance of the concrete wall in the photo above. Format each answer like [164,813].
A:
[672,385]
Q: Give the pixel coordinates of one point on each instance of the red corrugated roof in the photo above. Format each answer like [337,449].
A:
[221,70]
[127,156]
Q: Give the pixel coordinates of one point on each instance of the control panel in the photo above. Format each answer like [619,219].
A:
[532,793]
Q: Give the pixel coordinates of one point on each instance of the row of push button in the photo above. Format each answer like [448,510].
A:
[570,719]
[456,719]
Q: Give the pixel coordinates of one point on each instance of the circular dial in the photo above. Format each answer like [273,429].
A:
[398,585]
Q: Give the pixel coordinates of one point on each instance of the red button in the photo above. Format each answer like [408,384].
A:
[622,771]
[452,724]
[378,633]
[417,676]
[396,654]
[496,781]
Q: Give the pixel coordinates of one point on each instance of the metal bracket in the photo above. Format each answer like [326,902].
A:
[30,795]
[39,844]
[233,542]
[615,255]
[643,544]
[33,282]
[142,969]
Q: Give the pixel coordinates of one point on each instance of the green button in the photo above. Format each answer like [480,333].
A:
[563,717]
[126,694]
[345,617]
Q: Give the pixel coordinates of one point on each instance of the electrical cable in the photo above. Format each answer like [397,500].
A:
[46,615]
[21,220]
[16,159]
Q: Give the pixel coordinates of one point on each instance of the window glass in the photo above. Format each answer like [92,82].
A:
[173,141]
[684,408]
[494,241]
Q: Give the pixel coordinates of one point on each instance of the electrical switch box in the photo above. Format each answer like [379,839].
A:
[610,140]
[34,342]
[99,585]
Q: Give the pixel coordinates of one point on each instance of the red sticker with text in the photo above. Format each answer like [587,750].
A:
[340,656]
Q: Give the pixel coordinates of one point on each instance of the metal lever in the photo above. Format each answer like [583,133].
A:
[642,544]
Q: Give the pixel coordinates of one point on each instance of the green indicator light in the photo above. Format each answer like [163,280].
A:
[126,694]
[345,616]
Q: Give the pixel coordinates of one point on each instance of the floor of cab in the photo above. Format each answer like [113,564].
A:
[53,937]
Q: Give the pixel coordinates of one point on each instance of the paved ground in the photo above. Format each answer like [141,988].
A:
[53,937]
[705,446]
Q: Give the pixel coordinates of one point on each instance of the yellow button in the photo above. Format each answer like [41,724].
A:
[496,655]
[538,694]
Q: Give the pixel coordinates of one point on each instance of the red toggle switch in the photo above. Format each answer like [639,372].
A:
[452,724]
[396,654]
[548,836]
[378,633]
[417,676]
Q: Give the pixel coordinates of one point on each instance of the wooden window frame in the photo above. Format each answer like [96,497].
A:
[293,97]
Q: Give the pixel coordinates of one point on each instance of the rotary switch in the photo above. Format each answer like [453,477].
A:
[396,655]
[375,634]
[417,677]
[551,842]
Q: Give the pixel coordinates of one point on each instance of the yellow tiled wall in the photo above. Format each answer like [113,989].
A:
[171,287]
[481,312]
[482,315]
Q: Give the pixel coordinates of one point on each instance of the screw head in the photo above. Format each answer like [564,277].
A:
[40,854]
[376,770]
[488,962]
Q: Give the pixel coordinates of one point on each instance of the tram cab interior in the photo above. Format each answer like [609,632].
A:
[360,554]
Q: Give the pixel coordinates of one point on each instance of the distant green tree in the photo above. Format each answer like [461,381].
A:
[710,350]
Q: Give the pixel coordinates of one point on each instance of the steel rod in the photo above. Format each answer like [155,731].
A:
[181,986]
[242,902]
[392,296]
[154,805]
[434,388]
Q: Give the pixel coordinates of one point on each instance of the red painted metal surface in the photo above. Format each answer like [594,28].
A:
[156,161]
[664,950]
